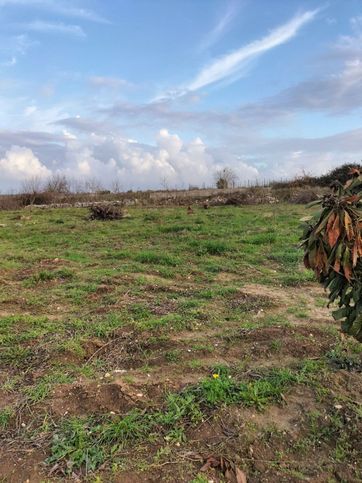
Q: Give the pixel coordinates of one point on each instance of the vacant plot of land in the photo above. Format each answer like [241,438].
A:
[171,347]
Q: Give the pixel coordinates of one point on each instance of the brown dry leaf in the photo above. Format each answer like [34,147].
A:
[231,472]
[359,244]
[347,271]
[306,261]
[240,476]
[352,199]
[330,222]
[334,232]
[229,475]
[211,462]
[337,265]
[348,225]
[321,259]
[354,254]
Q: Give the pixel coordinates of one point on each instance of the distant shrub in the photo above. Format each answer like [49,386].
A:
[303,197]
[341,174]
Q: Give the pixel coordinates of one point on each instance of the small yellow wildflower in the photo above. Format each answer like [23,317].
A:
[215,376]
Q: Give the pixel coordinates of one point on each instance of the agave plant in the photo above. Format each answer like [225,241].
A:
[332,245]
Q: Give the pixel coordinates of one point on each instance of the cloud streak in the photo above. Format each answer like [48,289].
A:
[221,27]
[57,7]
[231,64]
[56,28]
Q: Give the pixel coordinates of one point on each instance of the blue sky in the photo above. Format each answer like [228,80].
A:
[148,93]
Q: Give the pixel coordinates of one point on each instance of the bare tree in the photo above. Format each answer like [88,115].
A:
[57,183]
[76,185]
[33,184]
[93,185]
[30,188]
[164,183]
[116,186]
[225,178]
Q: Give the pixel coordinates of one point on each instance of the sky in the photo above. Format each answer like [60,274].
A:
[143,94]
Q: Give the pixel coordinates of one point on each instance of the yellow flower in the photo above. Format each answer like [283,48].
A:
[215,376]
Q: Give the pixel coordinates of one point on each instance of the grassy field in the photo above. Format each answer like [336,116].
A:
[138,350]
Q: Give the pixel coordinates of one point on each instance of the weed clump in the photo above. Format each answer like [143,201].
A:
[107,212]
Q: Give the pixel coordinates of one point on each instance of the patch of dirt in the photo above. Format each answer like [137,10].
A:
[131,477]
[7,399]
[158,382]
[297,342]
[287,417]
[81,398]
[101,290]
[347,383]
[53,262]
[163,308]
[227,277]
[249,302]
[22,466]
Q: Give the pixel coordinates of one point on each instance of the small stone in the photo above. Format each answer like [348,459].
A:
[338,406]
[107,374]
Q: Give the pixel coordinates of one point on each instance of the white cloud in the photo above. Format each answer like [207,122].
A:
[19,164]
[141,166]
[231,64]
[57,7]
[221,26]
[106,158]
[56,28]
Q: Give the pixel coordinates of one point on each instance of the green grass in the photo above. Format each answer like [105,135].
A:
[86,443]
[160,296]
[150,257]
[5,416]
[48,275]
[43,387]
